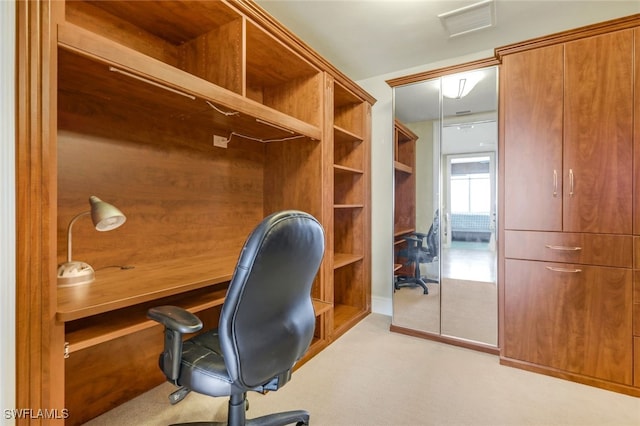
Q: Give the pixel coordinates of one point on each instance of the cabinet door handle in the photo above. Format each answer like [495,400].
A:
[570,182]
[572,271]
[563,248]
[555,183]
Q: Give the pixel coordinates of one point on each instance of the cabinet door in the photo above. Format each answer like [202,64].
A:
[598,154]
[575,318]
[531,85]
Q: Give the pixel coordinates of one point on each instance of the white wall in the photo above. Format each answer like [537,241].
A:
[382,178]
[7,209]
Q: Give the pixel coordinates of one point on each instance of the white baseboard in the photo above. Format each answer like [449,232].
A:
[381,305]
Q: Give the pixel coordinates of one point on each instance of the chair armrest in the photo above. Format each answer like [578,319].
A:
[176,321]
[175,318]
[414,239]
[417,242]
[421,235]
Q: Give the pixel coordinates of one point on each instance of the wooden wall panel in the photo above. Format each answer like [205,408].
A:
[178,203]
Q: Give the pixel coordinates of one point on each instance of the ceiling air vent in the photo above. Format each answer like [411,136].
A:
[469,18]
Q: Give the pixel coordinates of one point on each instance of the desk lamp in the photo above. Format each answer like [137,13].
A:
[105,217]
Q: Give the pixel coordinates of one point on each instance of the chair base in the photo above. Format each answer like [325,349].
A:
[297,417]
[413,282]
[238,405]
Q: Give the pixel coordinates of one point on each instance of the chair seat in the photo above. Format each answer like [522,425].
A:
[203,368]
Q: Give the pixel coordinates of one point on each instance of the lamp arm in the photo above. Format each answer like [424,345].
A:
[78,216]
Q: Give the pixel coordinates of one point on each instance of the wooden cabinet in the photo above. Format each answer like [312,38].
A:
[568,136]
[197,119]
[567,108]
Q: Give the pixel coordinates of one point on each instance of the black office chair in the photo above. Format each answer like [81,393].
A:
[266,323]
[420,248]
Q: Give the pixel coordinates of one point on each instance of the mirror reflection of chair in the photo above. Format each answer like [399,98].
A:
[266,324]
[420,248]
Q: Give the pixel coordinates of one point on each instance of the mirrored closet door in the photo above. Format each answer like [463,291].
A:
[445,223]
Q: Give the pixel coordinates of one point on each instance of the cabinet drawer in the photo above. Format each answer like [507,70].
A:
[566,247]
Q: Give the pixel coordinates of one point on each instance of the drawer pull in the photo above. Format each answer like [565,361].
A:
[555,183]
[563,248]
[572,271]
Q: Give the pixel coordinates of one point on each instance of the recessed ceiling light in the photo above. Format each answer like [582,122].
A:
[469,18]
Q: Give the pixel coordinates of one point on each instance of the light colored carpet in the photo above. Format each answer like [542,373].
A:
[371,376]
[470,310]
[415,310]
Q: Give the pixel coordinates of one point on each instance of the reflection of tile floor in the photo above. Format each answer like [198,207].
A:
[469,264]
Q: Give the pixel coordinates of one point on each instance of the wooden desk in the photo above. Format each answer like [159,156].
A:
[115,304]
[116,288]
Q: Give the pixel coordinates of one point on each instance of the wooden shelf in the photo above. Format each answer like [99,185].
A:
[94,58]
[99,329]
[346,315]
[345,169]
[102,328]
[111,325]
[404,231]
[344,259]
[398,166]
[320,307]
[344,135]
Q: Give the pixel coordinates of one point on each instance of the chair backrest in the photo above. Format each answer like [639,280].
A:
[267,320]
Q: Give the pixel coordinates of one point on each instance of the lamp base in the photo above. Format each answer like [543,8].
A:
[75,273]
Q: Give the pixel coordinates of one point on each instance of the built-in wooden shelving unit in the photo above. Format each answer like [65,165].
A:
[196,119]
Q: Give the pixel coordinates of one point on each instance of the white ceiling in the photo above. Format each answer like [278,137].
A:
[366,38]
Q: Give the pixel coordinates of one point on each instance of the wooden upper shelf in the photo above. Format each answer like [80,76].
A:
[97,68]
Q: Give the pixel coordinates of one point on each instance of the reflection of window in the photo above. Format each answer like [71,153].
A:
[470,185]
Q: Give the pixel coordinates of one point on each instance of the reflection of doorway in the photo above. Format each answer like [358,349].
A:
[469,292]
[470,201]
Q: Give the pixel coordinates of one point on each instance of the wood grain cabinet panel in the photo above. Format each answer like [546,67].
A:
[598,144]
[566,247]
[532,101]
[574,318]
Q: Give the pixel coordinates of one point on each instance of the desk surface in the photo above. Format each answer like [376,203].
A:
[116,288]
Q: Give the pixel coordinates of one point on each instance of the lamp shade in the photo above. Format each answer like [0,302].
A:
[105,216]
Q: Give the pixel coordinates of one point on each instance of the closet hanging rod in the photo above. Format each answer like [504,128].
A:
[151,82]
[275,126]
